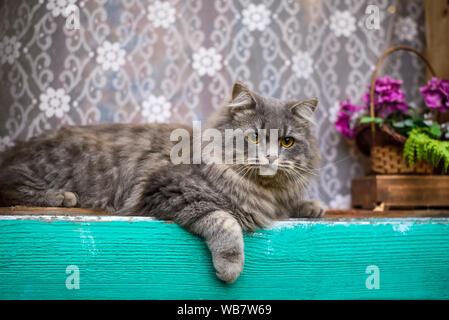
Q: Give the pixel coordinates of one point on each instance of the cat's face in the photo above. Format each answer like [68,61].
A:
[281,131]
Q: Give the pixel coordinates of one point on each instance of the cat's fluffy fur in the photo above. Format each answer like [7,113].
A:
[126,168]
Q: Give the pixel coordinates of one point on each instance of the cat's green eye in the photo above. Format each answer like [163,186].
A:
[253,138]
[287,142]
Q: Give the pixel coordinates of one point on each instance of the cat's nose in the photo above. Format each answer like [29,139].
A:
[272,157]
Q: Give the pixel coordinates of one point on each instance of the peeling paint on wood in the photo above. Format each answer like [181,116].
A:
[332,213]
[141,258]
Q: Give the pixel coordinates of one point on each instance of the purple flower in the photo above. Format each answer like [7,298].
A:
[344,123]
[388,97]
[436,94]
[444,87]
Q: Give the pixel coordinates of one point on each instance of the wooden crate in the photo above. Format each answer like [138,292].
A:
[401,191]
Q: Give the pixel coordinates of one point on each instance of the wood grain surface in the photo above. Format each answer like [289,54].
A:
[330,214]
[401,191]
[141,258]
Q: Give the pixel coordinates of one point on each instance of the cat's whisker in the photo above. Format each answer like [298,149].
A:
[290,176]
[292,166]
[306,171]
[299,179]
[245,170]
[334,162]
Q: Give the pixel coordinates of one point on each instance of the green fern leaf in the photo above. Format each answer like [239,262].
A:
[421,146]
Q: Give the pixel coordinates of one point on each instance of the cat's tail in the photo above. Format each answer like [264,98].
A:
[19,186]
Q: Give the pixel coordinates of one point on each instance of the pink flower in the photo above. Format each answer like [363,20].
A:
[436,94]
[444,87]
[343,123]
[388,97]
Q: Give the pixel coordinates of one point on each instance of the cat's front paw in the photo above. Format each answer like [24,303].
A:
[56,198]
[70,199]
[310,209]
[228,266]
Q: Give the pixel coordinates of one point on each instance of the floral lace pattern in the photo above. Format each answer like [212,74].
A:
[156,109]
[175,61]
[256,17]
[342,23]
[161,14]
[54,102]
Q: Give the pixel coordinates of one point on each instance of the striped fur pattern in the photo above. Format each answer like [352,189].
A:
[126,169]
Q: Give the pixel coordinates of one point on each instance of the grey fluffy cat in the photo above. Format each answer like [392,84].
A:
[126,169]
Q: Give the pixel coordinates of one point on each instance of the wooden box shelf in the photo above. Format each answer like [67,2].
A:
[401,191]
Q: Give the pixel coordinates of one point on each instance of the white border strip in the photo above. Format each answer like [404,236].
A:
[276,225]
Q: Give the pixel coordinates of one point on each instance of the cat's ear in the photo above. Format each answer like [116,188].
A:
[305,109]
[242,97]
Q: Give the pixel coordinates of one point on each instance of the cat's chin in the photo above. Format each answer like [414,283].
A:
[268,171]
[279,180]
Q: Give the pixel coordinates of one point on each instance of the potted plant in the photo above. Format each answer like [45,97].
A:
[399,138]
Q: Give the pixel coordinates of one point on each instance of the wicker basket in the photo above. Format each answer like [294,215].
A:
[389,160]
[386,157]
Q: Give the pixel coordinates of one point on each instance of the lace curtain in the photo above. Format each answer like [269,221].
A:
[91,61]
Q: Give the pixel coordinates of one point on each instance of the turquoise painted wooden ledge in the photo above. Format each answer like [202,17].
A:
[139,258]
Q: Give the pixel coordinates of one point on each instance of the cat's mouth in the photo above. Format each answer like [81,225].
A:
[268,170]
[269,175]
[260,168]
